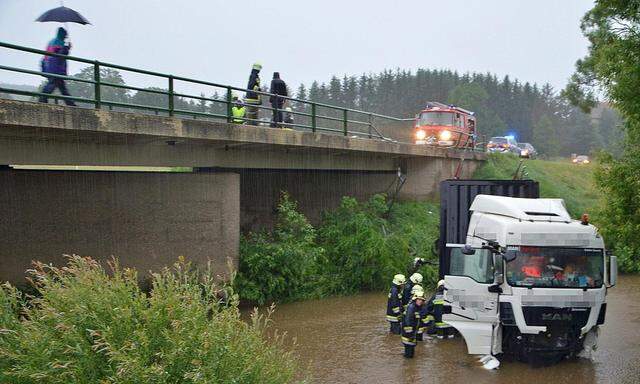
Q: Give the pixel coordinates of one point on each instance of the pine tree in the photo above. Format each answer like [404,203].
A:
[545,138]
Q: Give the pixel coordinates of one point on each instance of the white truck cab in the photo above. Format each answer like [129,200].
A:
[529,281]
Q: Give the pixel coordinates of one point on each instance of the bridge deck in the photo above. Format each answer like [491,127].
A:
[48,134]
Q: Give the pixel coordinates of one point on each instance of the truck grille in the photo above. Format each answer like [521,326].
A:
[550,316]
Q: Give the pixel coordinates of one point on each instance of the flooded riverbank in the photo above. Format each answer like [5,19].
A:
[346,340]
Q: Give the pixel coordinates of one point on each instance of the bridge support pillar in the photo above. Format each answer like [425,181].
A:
[145,219]
[424,175]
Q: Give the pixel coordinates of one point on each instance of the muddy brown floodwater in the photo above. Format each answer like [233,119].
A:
[346,340]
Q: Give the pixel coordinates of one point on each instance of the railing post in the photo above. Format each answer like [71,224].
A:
[96,85]
[313,117]
[370,124]
[229,97]
[170,95]
[345,131]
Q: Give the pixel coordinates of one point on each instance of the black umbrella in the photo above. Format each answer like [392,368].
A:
[63,15]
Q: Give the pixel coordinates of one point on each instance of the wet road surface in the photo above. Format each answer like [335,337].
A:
[346,340]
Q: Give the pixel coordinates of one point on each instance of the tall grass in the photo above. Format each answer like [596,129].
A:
[558,179]
[85,325]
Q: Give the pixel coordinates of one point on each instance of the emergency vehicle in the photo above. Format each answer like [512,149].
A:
[445,125]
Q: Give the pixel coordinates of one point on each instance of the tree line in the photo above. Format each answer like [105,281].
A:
[612,69]
[533,113]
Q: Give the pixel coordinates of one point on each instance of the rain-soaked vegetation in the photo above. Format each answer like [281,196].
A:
[88,325]
[355,248]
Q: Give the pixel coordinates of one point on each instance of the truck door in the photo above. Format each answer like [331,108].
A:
[473,305]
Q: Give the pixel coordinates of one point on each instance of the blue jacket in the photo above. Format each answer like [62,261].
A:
[52,64]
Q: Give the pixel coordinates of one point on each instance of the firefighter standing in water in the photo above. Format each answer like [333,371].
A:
[436,303]
[252,98]
[394,303]
[411,323]
[417,290]
[415,279]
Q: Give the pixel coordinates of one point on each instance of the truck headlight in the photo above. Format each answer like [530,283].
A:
[445,135]
[420,134]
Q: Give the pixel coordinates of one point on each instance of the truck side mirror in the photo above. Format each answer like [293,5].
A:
[498,278]
[613,271]
[467,250]
[510,255]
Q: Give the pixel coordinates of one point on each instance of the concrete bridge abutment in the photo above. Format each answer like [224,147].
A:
[145,219]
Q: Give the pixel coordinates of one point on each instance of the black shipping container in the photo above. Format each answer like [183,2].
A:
[456,197]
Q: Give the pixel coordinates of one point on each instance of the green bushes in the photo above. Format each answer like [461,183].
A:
[89,326]
[280,265]
[357,247]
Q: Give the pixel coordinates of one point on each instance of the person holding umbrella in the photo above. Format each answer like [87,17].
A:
[56,65]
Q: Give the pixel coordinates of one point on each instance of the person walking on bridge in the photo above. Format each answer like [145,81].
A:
[252,98]
[57,66]
[394,303]
[278,88]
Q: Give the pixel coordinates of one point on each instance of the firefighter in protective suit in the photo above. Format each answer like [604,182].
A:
[442,329]
[252,98]
[415,279]
[394,303]
[411,323]
[417,290]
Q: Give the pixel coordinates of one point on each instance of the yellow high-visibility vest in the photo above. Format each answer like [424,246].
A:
[238,114]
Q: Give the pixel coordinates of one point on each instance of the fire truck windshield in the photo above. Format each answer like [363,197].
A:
[435,118]
[556,267]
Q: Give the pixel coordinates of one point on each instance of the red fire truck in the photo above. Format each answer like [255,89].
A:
[445,125]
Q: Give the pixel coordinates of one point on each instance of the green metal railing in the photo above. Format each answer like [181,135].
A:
[335,120]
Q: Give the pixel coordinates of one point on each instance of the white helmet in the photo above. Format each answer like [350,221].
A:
[399,279]
[440,283]
[416,278]
[417,289]
[419,295]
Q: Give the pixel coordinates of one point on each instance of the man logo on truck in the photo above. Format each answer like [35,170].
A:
[557,317]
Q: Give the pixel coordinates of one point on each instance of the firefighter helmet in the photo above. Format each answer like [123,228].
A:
[257,66]
[399,279]
[417,289]
[416,278]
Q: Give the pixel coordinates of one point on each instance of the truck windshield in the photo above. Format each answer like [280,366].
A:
[436,118]
[556,267]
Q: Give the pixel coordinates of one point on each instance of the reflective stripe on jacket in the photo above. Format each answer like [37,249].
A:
[411,323]
[394,304]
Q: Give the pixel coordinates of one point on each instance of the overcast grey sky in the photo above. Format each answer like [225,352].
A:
[532,40]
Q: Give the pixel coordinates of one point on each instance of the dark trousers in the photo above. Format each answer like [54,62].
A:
[395,328]
[277,113]
[52,84]
[409,351]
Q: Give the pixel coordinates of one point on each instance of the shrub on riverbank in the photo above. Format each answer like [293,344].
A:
[357,247]
[89,326]
[282,264]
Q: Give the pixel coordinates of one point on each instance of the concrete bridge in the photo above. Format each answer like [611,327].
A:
[146,218]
